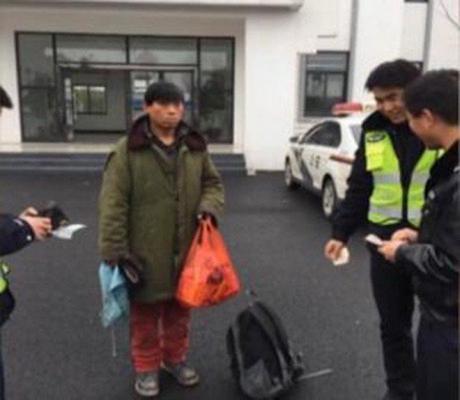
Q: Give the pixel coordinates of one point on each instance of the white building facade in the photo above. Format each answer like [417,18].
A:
[254,71]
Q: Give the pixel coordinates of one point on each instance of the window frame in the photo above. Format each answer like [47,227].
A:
[90,110]
[231,39]
[304,73]
[321,127]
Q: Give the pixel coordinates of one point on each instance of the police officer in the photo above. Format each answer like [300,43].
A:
[432,254]
[386,189]
[15,233]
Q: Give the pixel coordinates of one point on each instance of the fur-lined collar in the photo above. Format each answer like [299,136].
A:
[138,137]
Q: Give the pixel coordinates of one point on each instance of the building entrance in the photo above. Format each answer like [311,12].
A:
[87,87]
[99,105]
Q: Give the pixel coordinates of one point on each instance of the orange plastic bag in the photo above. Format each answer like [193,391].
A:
[208,276]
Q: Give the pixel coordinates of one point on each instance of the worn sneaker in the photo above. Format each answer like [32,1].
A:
[147,384]
[184,374]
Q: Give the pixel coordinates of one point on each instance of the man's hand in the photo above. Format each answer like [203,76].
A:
[389,248]
[29,212]
[333,248]
[41,227]
[205,215]
[405,235]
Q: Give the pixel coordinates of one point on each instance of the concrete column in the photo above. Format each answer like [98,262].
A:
[272,42]
[442,40]
[378,27]
[9,121]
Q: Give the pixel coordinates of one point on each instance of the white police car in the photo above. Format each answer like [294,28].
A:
[320,159]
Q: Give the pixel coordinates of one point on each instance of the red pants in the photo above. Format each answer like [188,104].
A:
[159,333]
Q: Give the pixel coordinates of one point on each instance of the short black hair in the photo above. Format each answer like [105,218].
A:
[5,100]
[436,91]
[398,73]
[163,92]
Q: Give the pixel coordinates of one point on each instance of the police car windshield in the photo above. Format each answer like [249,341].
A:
[356,131]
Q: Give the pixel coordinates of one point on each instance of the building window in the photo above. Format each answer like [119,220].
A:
[202,67]
[323,83]
[37,87]
[86,49]
[216,89]
[163,51]
[90,99]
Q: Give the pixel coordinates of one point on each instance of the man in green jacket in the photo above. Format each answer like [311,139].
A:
[157,182]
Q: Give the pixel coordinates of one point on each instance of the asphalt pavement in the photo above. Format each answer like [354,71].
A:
[55,347]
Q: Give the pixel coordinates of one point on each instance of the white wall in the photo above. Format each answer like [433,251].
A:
[328,24]
[272,42]
[377,38]
[193,3]
[443,38]
[413,35]
[9,121]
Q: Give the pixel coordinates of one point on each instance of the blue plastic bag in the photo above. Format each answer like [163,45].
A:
[115,301]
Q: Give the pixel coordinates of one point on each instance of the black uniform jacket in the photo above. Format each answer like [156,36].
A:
[435,260]
[352,212]
[14,234]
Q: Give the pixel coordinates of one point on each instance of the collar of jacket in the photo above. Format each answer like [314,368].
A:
[377,121]
[446,165]
[138,137]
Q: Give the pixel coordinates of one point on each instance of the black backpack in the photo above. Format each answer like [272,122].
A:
[262,360]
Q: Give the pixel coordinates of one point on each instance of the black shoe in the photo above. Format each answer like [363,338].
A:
[395,396]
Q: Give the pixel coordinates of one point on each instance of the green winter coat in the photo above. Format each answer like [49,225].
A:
[148,207]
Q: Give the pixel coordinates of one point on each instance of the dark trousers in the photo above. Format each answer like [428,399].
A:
[437,361]
[394,297]
[2,379]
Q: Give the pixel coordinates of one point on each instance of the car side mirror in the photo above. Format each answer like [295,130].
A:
[293,139]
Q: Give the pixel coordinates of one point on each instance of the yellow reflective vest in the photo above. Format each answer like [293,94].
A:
[387,200]
[4,270]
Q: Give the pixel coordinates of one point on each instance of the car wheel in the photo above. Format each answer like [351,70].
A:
[328,198]
[289,178]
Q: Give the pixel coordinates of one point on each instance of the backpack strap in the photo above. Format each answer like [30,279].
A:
[281,332]
[235,332]
[261,316]
[296,359]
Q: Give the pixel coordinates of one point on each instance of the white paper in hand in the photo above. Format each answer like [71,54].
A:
[66,232]
[344,257]
[373,239]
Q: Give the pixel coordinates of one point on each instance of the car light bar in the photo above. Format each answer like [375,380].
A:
[341,109]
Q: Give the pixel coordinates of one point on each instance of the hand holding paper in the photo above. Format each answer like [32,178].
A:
[66,232]
[343,258]
[374,240]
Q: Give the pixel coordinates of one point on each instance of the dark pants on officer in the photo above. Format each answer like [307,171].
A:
[2,379]
[394,297]
[437,361]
